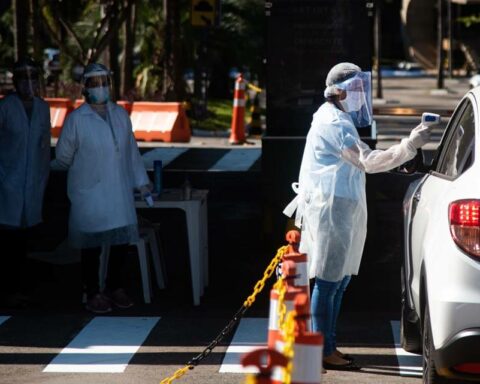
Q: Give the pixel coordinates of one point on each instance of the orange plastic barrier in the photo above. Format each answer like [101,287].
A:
[123,103]
[78,103]
[59,109]
[154,121]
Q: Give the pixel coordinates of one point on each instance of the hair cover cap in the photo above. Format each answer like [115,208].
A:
[338,74]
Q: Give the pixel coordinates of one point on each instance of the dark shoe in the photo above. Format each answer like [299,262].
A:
[350,366]
[98,304]
[344,356]
[120,298]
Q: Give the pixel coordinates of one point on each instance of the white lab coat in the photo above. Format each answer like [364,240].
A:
[331,207]
[24,161]
[104,166]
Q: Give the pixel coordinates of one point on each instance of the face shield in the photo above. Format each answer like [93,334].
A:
[26,81]
[358,100]
[97,87]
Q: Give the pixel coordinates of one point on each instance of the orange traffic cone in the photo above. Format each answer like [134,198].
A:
[307,349]
[237,134]
[265,360]
[288,272]
[300,259]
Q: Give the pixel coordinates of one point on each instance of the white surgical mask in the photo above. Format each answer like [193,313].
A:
[98,95]
[353,102]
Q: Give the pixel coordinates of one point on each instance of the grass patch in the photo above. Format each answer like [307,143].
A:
[219,116]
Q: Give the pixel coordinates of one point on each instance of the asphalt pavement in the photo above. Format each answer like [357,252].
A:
[48,341]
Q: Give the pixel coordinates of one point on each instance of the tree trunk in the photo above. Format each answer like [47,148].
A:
[129,41]
[177,64]
[113,48]
[20,30]
[167,48]
[173,89]
[36,31]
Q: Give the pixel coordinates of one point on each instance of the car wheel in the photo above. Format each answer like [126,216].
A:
[410,338]
[430,375]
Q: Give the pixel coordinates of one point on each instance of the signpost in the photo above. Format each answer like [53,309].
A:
[204,13]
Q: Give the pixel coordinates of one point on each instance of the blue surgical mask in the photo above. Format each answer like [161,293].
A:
[98,95]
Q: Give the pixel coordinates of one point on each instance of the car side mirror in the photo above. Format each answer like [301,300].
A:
[417,164]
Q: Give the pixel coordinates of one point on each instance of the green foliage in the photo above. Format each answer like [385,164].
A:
[470,20]
[219,116]
[6,39]
[236,42]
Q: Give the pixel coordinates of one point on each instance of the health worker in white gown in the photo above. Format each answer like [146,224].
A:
[104,165]
[330,205]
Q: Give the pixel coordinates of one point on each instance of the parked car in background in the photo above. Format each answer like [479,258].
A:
[441,271]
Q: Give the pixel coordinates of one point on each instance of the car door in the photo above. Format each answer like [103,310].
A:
[455,155]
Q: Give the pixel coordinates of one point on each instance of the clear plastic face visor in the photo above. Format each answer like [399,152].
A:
[97,87]
[26,82]
[358,100]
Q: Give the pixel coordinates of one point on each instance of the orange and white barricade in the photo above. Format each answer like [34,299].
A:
[59,109]
[264,359]
[307,349]
[288,272]
[237,134]
[152,121]
[300,259]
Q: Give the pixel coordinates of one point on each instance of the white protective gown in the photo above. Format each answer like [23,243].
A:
[331,207]
[104,166]
[24,161]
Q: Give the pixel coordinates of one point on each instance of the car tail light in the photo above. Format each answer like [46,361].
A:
[464,216]
[468,368]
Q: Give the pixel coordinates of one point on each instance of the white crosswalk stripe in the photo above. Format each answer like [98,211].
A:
[166,155]
[3,319]
[237,160]
[251,334]
[106,344]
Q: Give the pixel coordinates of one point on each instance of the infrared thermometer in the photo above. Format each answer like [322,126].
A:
[429,119]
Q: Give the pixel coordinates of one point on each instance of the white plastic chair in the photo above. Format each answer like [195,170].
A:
[147,241]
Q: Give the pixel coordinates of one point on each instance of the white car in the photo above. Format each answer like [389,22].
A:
[441,271]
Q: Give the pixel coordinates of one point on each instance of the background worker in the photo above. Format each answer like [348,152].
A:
[24,170]
[331,206]
[104,165]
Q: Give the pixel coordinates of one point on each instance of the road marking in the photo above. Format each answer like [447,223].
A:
[3,319]
[251,334]
[237,160]
[167,155]
[409,364]
[106,344]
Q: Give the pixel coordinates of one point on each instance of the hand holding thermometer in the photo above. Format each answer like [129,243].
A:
[429,119]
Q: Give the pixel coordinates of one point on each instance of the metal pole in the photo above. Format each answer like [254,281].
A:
[450,40]
[378,44]
[440,52]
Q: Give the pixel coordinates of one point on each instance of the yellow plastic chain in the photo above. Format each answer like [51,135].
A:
[179,373]
[289,334]
[250,379]
[247,304]
[254,87]
[281,288]
[266,275]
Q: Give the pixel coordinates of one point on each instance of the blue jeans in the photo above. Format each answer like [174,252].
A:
[326,302]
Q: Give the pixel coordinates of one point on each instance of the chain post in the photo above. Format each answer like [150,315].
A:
[236,318]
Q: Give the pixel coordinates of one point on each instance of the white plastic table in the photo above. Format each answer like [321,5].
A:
[197,230]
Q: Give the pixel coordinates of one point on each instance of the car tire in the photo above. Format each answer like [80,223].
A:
[410,338]
[430,375]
